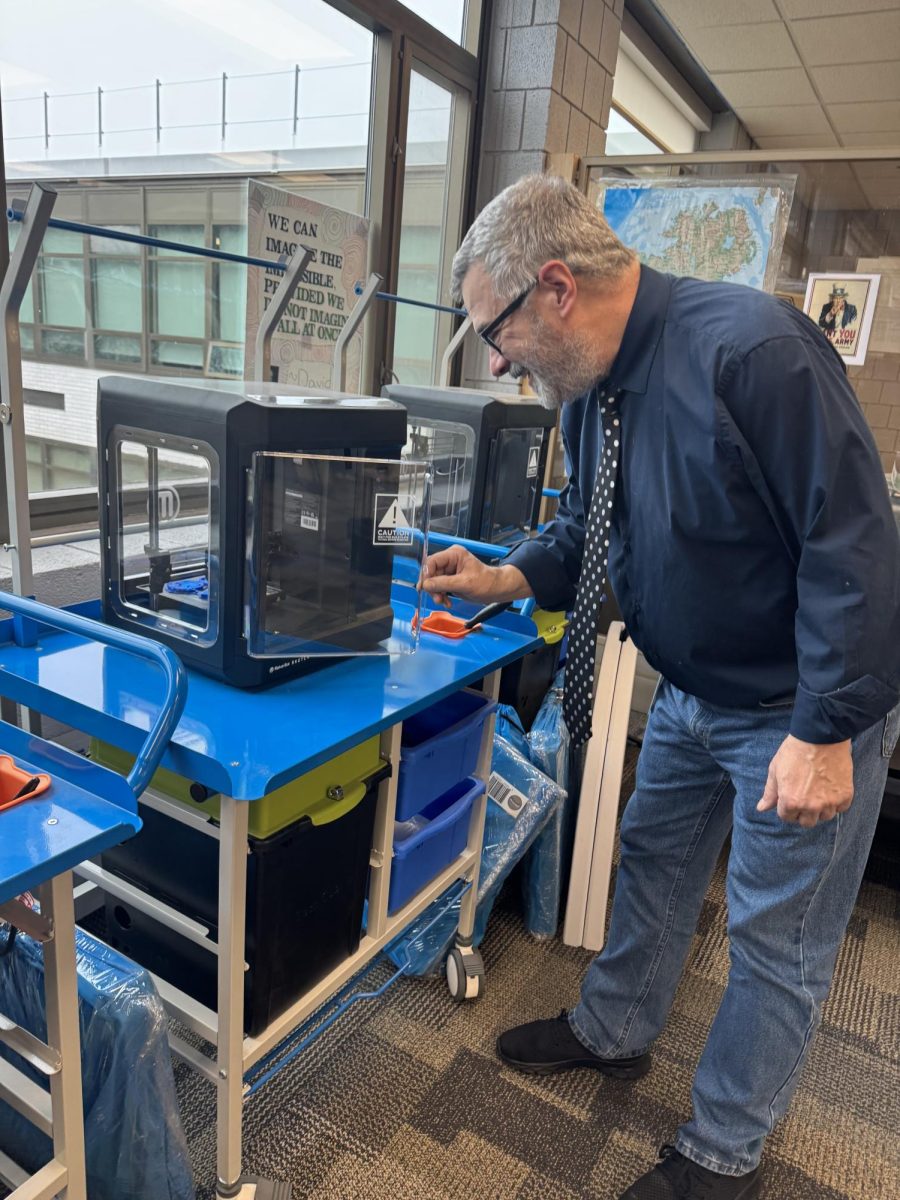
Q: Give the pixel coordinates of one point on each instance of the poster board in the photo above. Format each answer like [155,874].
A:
[279,224]
[843,305]
[717,229]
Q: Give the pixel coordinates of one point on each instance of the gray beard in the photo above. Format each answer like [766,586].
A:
[563,373]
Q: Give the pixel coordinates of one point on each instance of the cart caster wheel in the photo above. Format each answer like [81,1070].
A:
[465,973]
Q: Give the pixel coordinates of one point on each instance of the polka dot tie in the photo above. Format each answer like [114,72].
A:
[578,695]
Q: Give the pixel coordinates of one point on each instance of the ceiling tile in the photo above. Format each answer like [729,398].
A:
[744,47]
[797,141]
[870,37]
[765,88]
[882,137]
[772,121]
[858,81]
[696,14]
[865,118]
[833,8]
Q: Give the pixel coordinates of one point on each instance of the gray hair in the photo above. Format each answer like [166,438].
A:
[539,218]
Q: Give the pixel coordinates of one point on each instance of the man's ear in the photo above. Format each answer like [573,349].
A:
[558,286]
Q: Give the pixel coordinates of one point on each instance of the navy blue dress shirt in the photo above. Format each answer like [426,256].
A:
[753,553]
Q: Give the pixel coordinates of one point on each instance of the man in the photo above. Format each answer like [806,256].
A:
[718,456]
[837,313]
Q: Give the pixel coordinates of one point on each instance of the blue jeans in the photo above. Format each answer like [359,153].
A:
[790,891]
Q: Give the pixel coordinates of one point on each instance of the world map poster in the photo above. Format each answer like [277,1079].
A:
[729,230]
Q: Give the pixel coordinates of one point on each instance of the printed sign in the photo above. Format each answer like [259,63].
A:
[533,456]
[279,225]
[843,307]
[394,518]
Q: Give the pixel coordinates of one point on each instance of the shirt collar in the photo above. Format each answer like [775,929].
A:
[644,327]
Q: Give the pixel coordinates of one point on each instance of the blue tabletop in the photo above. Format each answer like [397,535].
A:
[85,810]
[247,744]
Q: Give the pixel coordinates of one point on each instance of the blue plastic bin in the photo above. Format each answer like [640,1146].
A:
[439,747]
[431,841]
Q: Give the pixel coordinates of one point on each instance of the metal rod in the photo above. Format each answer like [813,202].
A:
[296,95]
[139,239]
[449,354]
[158,128]
[353,322]
[153,498]
[12,403]
[61,991]
[46,123]
[99,116]
[224,87]
[268,323]
[457,312]
[233,851]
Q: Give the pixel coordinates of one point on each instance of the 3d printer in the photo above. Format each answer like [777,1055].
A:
[489,453]
[253,527]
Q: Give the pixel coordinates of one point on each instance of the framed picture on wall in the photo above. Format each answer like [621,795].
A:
[843,306]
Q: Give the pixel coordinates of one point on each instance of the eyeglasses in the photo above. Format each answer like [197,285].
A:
[491,328]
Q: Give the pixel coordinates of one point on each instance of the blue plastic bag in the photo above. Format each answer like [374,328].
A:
[135,1145]
[547,863]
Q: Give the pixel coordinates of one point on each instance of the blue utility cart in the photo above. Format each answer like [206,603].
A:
[85,810]
[245,746]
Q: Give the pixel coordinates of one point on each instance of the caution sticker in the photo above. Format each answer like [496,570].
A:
[394,519]
[533,455]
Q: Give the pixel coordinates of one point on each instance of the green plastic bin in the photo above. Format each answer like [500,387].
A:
[323,794]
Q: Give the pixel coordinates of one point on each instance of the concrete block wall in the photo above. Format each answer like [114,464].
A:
[549,90]
[549,85]
[877,386]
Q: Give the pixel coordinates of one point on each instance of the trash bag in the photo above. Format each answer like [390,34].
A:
[134,1140]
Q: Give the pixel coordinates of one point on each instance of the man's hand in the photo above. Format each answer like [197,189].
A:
[456,570]
[809,783]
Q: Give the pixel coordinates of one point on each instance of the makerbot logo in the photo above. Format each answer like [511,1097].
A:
[394,516]
[168,503]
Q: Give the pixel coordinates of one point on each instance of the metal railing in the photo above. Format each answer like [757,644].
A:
[228,108]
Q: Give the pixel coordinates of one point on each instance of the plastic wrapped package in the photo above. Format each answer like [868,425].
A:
[546,864]
[135,1144]
[425,943]
[548,740]
[508,725]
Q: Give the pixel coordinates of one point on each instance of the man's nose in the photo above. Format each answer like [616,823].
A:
[499,364]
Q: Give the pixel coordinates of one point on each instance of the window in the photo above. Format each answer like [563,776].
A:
[624,137]
[297,94]
[430,226]
[447,16]
[62,291]
[117,293]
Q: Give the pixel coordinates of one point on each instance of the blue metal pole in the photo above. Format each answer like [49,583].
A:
[140,239]
[457,312]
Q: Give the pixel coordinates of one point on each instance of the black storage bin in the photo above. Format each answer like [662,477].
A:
[525,682]
[306,890]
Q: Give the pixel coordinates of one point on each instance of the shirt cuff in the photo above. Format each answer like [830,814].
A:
[546,576]
[822,718]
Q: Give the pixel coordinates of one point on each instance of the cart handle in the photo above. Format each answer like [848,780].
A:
[174,674]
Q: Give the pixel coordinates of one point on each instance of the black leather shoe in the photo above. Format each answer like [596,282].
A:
[678,1178]
[543,1047]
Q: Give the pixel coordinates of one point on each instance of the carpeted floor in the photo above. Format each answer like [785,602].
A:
[404,1099]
